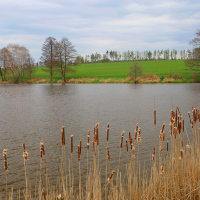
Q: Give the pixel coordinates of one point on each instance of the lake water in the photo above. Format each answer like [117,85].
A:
[29,113]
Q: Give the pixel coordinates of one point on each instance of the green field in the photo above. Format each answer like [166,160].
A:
[119,70]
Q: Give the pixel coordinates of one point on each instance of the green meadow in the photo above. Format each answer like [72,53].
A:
[171,70]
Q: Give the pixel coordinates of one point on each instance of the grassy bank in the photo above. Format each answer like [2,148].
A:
[174,169]
[117,72]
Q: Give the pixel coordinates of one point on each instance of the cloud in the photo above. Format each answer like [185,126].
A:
[98,25]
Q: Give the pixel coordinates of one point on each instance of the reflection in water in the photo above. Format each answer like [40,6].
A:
[30,113]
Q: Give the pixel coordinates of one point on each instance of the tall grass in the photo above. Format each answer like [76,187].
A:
[174,173]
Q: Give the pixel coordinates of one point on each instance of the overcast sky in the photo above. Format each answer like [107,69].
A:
[100,25]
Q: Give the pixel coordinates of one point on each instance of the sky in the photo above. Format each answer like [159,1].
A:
[100,25]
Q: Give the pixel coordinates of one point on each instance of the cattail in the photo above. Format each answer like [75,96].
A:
[127,145]
[5,159]
[63,135]
[137,127]
[181,143]
[107,132]
[199,116]
[43,194]
[179,127]
[129,135]
[139,131]
[163,136]
[176,117]
[133,149]
[170,124]
[94,137]
[78,152]
[181,157]
[154,120]
[189,117]
[163,126]
[42,147]
[162,170]
[25,155]
[183,126]
[108,154]
[97,134]
[192,123]
[135,134]
[167,145]
[138,137]
[111,175]
[175,131]
[121,142]
[154,152]
[194,115]
[94,148]
[71,143]
[23,145]
[80,146]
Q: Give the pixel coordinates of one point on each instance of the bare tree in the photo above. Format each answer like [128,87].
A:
[16,61]
[194,63]
[66,56]
[48,57]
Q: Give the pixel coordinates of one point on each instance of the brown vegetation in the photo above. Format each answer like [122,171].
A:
[175,168]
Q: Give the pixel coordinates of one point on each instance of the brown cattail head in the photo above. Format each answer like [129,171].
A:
[175,131]
[138,139]
[133,149]
[181,157]
[80,146]
[162,170]
[94,148]
[94,135]
[63,135]
[139,131]
[163,126]
[170,124]
[97,133]
[167,145]
[42,147]
[5,159]
[111,175]
[154,120]
[154,152]
[136,127]
[126,145]
[43,194]
[107,132]
[25,155]
[183,126]
[163,134]
[71,143]
[189,117]
[135,134]
[23,145]
[78,152]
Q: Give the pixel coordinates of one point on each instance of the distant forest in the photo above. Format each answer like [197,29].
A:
[135,55]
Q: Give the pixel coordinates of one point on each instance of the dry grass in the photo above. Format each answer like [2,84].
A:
[148,78]
[175,168]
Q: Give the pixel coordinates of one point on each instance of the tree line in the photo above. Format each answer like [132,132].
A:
[136,55]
